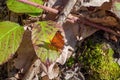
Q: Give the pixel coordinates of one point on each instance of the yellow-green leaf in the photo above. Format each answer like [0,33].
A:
[10,38]
[20,7]
[42,34]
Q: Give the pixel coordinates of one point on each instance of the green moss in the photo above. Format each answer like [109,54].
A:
[70,62]
[98,61]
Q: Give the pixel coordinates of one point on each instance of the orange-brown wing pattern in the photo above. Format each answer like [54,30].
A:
[58,41]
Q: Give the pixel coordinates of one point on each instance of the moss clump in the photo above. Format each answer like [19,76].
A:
[70,62]
[98,62]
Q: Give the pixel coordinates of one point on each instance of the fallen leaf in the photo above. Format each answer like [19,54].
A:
[86,31]
[106,21]
[93,2]
[25,53]
[46,40]
[114,38]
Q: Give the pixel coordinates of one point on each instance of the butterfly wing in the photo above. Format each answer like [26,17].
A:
[58,41]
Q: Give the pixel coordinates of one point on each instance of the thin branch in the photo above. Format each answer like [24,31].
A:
[39,6]
[92,24]
[70,17]
[46,8]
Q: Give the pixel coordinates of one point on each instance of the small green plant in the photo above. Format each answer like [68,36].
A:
[99,63]
[70,62]
[10,39]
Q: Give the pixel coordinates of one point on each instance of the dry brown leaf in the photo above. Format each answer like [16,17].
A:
[93,2]
[106,5]
[70,32]
[86,31]
[45,77]
[52,71]
[33,71]
[106,21]
[114,38]
[25,53]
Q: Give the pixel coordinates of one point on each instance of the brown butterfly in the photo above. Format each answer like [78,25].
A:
[58,41]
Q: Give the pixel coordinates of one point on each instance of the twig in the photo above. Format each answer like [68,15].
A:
[39,6]
[46,8]
[92,24]
[70,17]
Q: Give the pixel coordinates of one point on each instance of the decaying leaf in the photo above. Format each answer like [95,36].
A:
[52,71]
[93,2]
[25,53]
[46,40]
[106,21]
[86,31]
[102,18]
[48,44]
[10,39]
[47,55]
[34,69]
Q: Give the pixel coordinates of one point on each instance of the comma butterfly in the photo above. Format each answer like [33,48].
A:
[58,41]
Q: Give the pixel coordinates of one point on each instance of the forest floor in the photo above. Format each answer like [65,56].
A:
[76,68]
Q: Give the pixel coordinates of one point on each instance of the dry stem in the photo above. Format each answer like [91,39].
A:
[70,17]
[39,6]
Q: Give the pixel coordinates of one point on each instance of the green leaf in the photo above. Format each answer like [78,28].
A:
[19,7]
[41,37]
[117,5]
[10,38]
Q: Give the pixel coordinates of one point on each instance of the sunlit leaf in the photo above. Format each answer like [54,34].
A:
[10,38]
[42,35]
[19,7]
[116,7]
